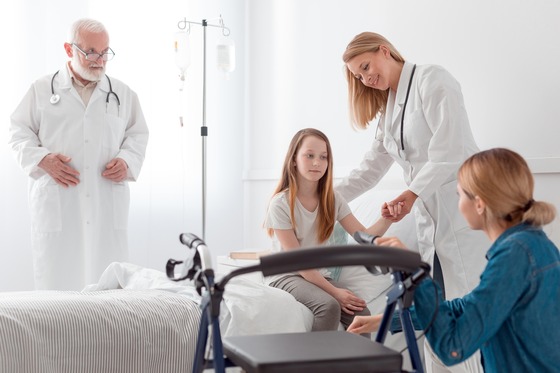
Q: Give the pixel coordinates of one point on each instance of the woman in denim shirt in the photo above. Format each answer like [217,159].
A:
[513,316]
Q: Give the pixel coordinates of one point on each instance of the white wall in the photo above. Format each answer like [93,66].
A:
[504,53]
[289,75]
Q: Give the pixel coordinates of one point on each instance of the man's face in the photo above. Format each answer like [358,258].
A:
[91,69]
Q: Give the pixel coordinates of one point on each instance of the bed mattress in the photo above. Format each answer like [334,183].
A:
[98,331]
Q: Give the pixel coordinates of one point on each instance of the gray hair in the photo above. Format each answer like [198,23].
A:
[84,24]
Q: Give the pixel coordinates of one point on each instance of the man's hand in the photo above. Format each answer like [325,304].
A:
[55,165]
[116,170]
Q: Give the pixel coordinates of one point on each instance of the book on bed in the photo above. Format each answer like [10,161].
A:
[248,254]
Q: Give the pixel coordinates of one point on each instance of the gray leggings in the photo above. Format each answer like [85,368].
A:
[326,309]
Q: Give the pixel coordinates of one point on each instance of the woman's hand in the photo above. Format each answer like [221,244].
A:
[349,302]
[390,241]
[398,208]
[365,324]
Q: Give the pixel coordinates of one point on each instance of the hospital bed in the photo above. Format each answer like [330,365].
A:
[97,331]
[335,351]
[133,320]
[136,320]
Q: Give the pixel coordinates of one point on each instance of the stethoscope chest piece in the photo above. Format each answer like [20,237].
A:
[55,96]
[54,99]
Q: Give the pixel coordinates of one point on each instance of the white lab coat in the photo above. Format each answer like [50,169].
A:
[437,139]
[78,231]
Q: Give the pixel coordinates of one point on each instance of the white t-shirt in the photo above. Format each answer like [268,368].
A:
[278,217]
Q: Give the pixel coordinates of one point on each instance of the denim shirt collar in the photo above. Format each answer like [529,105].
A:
[521,227]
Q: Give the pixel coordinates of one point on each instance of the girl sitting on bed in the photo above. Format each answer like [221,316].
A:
[302,213]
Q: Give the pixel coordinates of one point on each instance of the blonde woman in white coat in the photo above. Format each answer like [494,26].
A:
[430,143]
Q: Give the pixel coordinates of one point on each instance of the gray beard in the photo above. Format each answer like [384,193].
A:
[84,73]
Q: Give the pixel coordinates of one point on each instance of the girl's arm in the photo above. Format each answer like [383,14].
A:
[379,227]
[352,225]
[347,300]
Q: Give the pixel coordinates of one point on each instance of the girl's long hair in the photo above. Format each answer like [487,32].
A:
[502,179]
[365,102]
[288,182]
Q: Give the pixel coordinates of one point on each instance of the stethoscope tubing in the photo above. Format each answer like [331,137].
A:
[55,98]
[403,110]
[404,106]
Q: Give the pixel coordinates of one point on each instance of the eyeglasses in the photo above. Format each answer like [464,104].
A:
[92,56]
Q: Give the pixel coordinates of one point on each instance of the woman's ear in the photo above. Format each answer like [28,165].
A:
[480,205]
[386,51]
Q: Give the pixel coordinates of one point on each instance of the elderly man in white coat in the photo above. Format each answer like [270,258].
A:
[80,136]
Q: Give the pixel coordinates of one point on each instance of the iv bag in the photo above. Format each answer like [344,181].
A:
[225,54]
[182,51]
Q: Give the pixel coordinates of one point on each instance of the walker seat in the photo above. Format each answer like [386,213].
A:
[327,351]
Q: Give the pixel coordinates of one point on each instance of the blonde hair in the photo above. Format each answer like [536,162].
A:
[288,181]
[502,179]
[365,102]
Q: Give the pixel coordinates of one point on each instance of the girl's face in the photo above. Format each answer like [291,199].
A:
[312,158]
[470,209]
[372,69]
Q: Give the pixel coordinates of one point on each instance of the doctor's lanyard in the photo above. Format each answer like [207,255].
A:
[55,98]
[404,106]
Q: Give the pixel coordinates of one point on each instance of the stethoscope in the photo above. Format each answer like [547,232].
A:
[403,110]
[404,106]
[55,98]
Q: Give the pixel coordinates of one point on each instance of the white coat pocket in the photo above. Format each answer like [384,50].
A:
[113,133]
[44,202]
[121,201]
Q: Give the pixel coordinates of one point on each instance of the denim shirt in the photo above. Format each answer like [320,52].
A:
[513,316]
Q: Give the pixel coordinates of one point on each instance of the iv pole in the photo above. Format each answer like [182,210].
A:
[204,129]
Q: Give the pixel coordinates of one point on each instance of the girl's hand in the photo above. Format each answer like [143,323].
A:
[390,210]
[365,324]
[349,302]
[398,208]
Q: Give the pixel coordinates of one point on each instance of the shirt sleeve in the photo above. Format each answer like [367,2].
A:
[341,206]
[133,148]
[278,215]
[374,166]
[24,139]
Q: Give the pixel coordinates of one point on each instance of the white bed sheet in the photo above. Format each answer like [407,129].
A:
[248,307]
